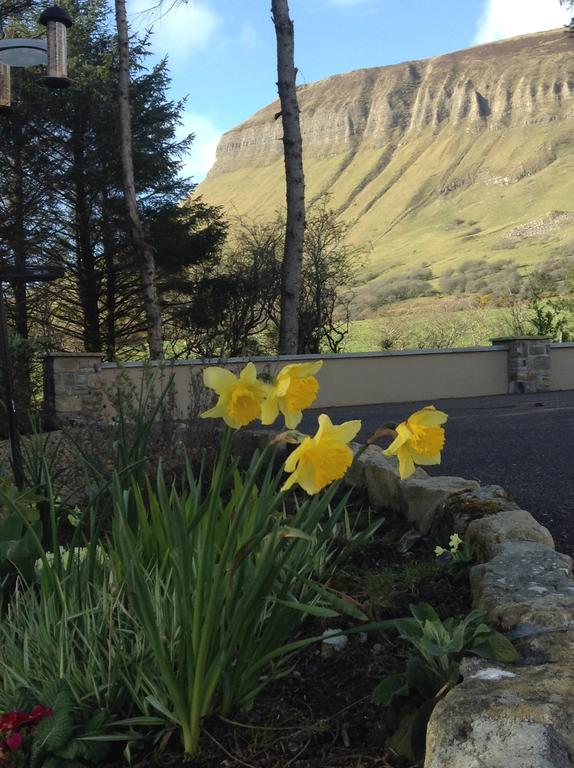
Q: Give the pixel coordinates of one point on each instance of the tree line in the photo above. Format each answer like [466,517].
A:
[63,202]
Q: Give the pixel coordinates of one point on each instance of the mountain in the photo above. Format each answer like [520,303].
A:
[469,155]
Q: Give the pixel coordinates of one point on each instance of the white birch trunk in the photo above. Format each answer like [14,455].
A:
[143,249]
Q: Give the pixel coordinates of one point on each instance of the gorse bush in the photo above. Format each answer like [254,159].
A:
[482,277]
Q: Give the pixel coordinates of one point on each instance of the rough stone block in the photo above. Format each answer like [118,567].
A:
[505,717]
[382,479]
[525,582]
[356,473]
[424,498]
[515,524]
[536,348]
[68,379]
[68,405]
[540,644]
[462,508]
[542,363]
[66,364]
[518,349]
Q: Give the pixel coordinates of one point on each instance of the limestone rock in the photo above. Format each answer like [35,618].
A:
[515,524]
[523,577]
[356,473]
[383,481]
[424,497]
[505,717]
[462,508]
[540,644]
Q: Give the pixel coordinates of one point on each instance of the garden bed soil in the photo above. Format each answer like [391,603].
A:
[321,715]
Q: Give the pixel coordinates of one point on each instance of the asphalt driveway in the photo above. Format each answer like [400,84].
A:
[523,442]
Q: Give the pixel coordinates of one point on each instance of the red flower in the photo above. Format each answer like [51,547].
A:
[10,721]
[15,741]
[39,712]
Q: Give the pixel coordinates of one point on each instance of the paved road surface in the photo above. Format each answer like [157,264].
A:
[523,442]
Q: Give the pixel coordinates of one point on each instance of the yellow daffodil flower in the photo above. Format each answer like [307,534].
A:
[323,458]
[294,389]
[440,551]
[420,439]
[240,398]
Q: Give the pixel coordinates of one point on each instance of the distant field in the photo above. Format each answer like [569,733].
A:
[428,323]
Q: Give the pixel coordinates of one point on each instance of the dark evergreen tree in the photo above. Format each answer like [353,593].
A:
[62,180]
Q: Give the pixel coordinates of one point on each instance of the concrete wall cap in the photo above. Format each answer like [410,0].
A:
[47,355]
[302,358]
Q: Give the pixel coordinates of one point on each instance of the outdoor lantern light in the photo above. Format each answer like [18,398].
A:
[56,20]
[5,88]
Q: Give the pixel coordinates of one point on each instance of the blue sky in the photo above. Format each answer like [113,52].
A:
[222,52]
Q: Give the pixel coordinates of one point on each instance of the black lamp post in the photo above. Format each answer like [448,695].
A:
[21,52]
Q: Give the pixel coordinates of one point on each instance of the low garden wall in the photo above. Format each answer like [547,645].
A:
[500,716]
[75,384]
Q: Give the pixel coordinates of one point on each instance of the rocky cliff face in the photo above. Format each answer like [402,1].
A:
[517,82]
[404,149]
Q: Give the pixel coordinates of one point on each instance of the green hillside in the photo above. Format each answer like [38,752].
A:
[465,156]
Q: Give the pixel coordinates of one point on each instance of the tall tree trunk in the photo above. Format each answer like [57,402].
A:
[88,279]
[22,361]
[19,244]
[111,288]
[293,155]
[143,249]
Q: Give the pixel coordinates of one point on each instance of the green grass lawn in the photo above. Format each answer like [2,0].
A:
[428,323]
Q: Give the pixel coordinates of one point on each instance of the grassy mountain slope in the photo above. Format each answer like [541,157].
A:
[463,156]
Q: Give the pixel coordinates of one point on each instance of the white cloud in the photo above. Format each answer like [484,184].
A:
[202,151]
[179,28]
[507,18]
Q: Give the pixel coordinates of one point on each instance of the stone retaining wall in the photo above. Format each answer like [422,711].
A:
[500,716]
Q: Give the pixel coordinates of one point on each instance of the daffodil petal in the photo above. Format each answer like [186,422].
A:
[296,455]
[406,463]
[249,374]
[325,426]
[300,370]
[428,417]
[281,386]
[397,443]
[218,379]
[217,412]
[290,482]
[292,419]
[306,479]
[269,411]
[347,431]
[420,458]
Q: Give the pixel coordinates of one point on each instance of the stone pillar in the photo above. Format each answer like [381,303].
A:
[528,363]
[70,387]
